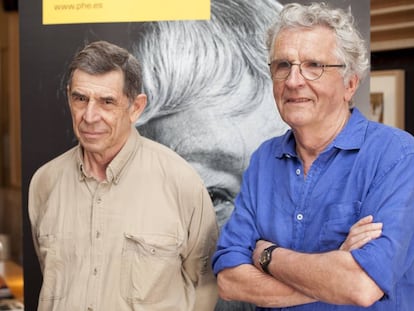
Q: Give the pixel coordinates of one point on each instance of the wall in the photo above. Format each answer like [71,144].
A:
[392,25]
[399,59]
[10,157]
[10,160]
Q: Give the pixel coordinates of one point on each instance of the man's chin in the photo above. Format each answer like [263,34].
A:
[91,146]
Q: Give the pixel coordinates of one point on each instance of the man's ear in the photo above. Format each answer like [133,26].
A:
[68,97]
[351,87]
[137,107]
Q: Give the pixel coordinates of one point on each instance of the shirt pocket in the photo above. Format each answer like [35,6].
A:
[335,229]
[54,281]
[150,267]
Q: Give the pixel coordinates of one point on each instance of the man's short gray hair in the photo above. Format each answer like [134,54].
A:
[351,49]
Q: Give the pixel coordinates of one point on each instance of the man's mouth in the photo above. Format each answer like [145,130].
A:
[90,134]
[297,100]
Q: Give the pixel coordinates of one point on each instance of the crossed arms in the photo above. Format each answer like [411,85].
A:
[298,278]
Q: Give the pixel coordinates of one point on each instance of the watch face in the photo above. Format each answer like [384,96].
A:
[265,257]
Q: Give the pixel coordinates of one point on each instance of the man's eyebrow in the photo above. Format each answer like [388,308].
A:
[76,93]
[109,97]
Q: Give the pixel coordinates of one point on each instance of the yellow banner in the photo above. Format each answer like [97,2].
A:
[114,11]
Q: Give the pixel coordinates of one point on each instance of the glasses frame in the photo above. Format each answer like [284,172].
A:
[322,66]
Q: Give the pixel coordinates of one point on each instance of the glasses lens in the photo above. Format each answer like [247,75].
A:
[311,70]
[280,69]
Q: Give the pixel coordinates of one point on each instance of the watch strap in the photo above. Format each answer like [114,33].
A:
[268,251]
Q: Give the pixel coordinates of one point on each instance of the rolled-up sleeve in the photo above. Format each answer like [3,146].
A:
[239,235]
[391,201]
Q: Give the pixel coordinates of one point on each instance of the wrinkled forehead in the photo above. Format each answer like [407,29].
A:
[304,43]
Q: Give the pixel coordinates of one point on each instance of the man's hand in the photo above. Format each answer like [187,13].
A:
[361,233]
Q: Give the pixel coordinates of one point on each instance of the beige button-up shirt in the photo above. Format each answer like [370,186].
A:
[141,240]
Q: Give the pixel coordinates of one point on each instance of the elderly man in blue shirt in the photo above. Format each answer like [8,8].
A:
[325,216]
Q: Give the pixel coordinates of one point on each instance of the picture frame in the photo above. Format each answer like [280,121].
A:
[387,104]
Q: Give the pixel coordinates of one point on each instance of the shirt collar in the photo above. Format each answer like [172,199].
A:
[351,137]
[117,165]
[353,134]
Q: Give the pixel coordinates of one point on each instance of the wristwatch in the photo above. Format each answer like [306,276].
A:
[266,257]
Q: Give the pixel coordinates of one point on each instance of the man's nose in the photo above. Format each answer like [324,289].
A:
[295,77]
[92,111]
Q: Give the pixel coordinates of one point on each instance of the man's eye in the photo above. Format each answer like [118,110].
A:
[80,98]
[108,101]
[283,65]
[314,65]
[219,195]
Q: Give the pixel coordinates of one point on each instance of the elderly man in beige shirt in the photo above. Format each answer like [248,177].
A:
[119,222]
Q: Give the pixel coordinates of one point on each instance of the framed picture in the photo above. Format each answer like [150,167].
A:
[387,97]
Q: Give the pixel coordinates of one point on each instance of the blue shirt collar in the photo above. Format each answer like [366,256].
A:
[351,137]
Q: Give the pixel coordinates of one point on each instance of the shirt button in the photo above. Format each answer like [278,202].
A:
[98,234]
[298,171]
[95,271]
[99,200]
[299,217]
[90,309]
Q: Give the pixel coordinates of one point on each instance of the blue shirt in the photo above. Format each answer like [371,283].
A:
[367,170]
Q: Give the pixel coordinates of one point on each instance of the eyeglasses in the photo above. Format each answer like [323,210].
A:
[280,69]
